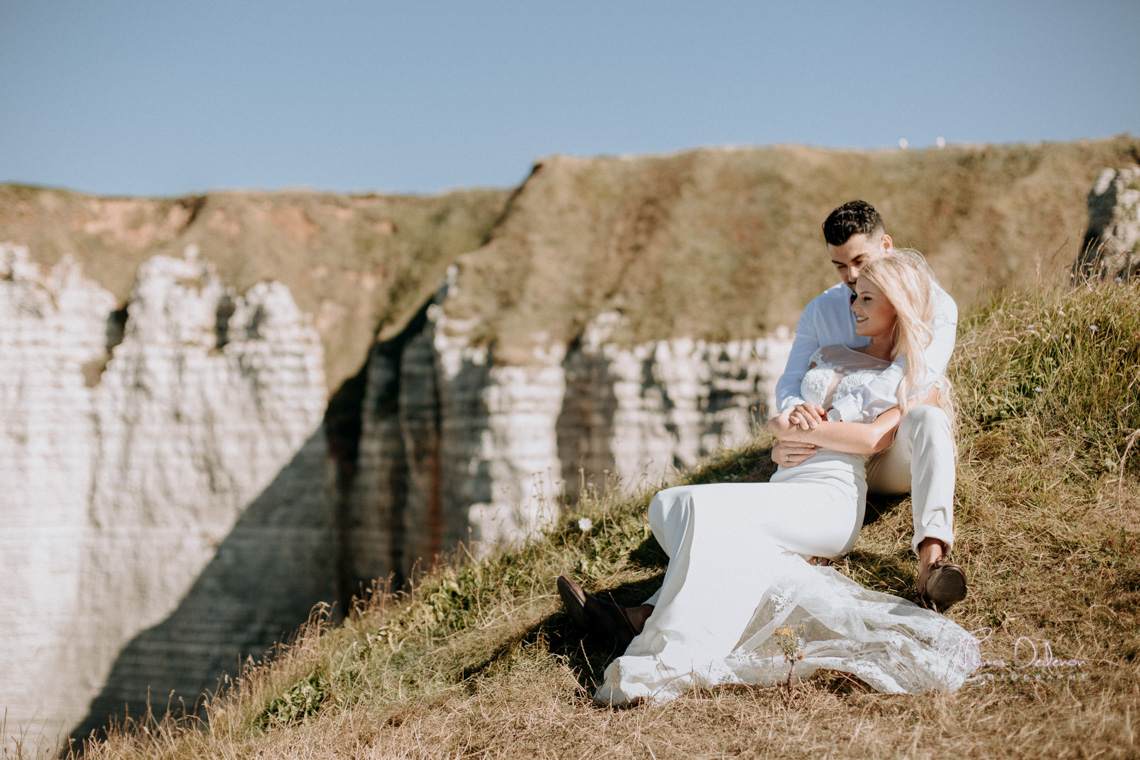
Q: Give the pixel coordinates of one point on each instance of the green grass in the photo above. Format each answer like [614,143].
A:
[478,660]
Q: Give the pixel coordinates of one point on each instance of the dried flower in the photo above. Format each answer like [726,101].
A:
[788,641]
[585,524]
[790,645]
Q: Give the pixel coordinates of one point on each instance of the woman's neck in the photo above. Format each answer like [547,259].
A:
[880,347]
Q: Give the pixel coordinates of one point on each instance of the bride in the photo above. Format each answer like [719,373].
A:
[739,602]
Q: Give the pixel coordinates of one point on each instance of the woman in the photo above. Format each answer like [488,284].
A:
[737,569]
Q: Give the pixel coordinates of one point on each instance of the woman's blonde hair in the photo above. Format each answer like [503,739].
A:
[905,279]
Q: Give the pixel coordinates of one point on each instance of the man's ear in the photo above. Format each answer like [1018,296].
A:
[887,242]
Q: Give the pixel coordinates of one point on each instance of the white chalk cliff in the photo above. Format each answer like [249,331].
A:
[126,489]
[173,504]
[1111,249]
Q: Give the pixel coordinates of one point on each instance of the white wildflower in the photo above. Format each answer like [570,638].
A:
[585,524]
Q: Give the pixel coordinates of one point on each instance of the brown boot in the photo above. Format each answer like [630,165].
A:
[594,614]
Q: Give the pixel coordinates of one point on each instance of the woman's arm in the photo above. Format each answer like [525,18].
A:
[847,437]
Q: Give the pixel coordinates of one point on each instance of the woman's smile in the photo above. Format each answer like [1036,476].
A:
[874,314]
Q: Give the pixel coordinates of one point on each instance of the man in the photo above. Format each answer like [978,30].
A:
[921,459]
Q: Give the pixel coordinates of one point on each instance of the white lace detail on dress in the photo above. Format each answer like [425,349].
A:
[837,371]
[888,643]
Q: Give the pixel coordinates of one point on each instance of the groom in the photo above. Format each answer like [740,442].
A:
[921,459]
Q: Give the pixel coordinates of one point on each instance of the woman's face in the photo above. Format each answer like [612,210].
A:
[874,314]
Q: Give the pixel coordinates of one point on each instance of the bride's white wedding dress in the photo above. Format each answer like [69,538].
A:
[737,573]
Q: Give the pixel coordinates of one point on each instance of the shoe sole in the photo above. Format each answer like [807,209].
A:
[947,586]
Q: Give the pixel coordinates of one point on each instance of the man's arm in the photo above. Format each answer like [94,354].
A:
[945,331]
[881,393]
[805,344]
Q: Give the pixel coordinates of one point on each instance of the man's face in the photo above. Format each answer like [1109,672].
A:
[850,257]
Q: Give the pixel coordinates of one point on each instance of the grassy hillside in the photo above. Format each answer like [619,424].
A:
[479,661]
[721,244]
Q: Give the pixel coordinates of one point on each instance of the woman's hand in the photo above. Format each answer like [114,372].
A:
[806,416]
[793,422]
[781,425]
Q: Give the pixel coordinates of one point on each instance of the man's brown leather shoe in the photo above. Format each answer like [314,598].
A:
[943,583]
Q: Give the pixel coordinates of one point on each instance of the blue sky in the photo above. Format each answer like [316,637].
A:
[152,97]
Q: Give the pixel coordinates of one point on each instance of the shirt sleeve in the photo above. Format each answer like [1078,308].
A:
[880,394]
[804,346]
[945,331]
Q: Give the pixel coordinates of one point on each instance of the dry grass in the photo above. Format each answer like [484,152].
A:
[479,662]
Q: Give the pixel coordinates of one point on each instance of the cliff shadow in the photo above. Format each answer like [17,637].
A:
[367,453]
[405,436]
[277,562]
[585,424]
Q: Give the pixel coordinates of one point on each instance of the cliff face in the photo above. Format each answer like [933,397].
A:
[172,499]
[139,445]
[222,410]
[1111,248]
[456,446]
[356,264]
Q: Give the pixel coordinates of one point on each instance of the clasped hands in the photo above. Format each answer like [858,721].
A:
[789,452]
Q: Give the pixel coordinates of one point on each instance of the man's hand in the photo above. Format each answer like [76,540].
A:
[792,453]
[806,416]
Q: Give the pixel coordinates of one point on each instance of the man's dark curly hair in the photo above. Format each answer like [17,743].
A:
[852,218]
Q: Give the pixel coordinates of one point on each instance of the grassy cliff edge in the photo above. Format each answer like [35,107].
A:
[478,660]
